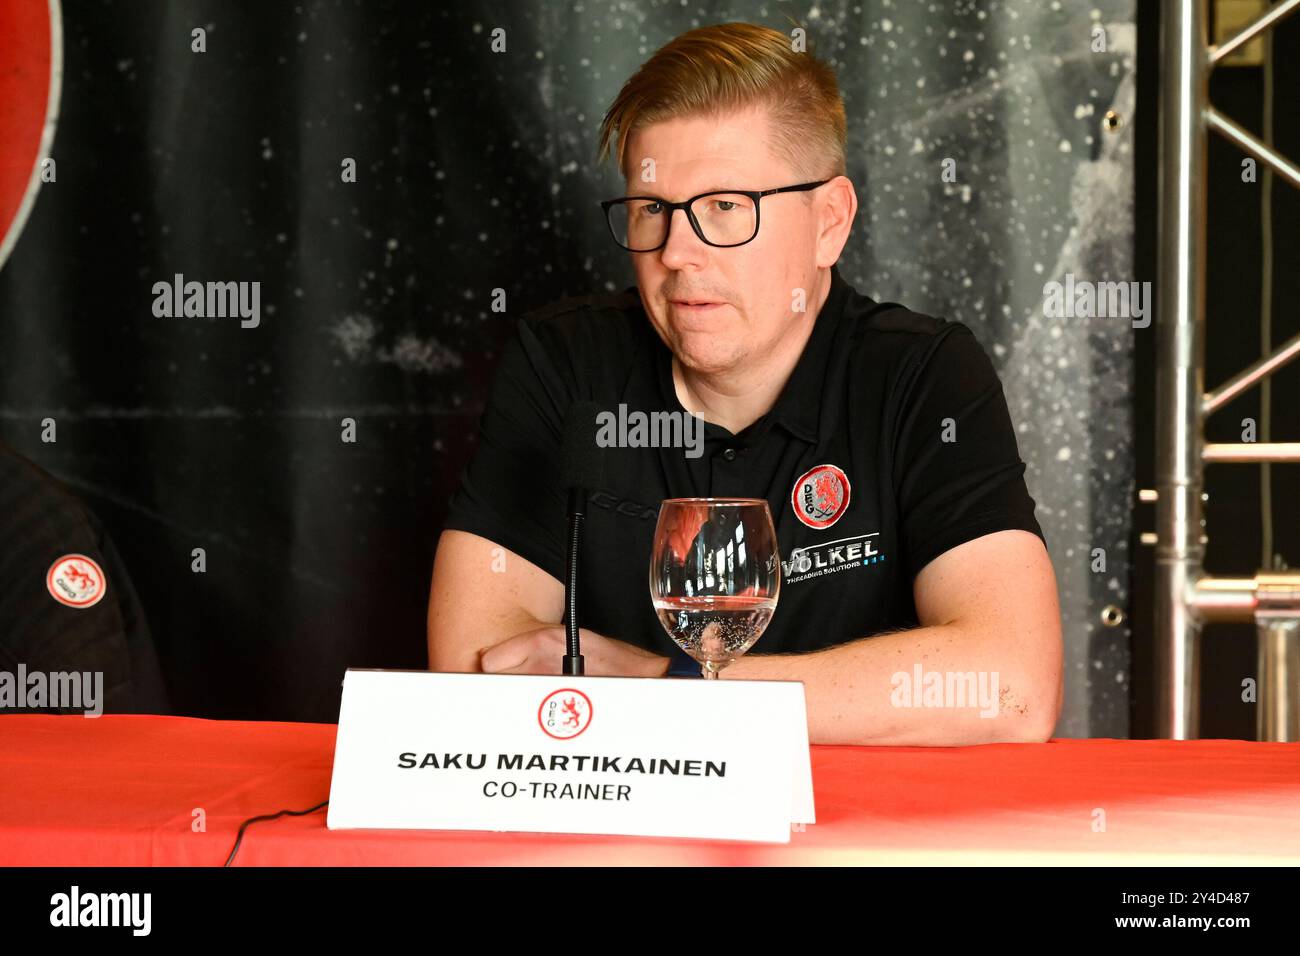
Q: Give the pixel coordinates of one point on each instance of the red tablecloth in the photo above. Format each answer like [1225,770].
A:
[122,791]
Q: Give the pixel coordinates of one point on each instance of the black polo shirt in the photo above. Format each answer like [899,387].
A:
[890,444]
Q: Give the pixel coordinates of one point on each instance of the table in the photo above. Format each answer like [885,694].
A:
[124,791]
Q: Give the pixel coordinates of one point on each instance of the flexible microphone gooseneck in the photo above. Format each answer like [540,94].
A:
[580,472]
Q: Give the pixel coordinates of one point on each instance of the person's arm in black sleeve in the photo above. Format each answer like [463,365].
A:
[107,641]
[498,572]
[984,587]
[510,491]
[957,467]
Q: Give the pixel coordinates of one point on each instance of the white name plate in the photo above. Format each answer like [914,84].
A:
[722,760]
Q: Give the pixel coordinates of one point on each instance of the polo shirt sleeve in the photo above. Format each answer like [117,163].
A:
[510,491]
[40,521]
[957,468]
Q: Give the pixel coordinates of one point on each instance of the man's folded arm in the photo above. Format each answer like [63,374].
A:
[481,595]
[492,611]
[987,607]
[990,625]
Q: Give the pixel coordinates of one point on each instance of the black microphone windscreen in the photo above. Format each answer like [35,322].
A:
[581,462]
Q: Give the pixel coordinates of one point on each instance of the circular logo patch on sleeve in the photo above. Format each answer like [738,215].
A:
[820,496]
[77,581]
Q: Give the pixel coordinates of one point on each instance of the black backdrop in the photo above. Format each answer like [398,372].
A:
[186,433]
[475,172]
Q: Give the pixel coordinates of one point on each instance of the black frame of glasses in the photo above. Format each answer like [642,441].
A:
[754,194]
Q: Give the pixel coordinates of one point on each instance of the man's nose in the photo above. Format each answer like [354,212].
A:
[683,244]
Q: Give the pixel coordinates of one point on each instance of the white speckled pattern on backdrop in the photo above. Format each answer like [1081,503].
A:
[476,171]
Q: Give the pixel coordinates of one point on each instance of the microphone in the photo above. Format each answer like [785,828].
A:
[581,470]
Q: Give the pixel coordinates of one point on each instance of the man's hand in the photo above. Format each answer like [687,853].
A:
[539,651]
[490,610]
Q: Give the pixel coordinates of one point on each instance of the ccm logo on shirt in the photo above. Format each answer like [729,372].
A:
[820,496]
[624,506]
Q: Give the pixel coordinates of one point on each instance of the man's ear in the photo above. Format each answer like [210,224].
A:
[838,210]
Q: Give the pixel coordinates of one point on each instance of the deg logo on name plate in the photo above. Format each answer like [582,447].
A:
[565,713]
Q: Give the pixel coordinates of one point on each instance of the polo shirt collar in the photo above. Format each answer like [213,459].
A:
[798,408]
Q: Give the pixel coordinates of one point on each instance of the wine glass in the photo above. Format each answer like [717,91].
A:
[715,576]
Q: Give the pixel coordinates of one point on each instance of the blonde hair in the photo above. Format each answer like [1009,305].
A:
[715,70]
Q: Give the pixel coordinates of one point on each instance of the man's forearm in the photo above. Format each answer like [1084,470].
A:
[866,691]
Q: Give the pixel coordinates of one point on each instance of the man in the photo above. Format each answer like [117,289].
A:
[67,605]
[913,549]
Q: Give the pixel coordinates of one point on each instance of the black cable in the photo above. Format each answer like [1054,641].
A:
[270,816]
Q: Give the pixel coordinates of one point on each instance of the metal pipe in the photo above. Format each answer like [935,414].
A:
[1245,379]
[1224,599]
[1252,451]
[1272,601]
[1180,364]
[1278,714]
[1257,148]
[1248,33]
[1277,616]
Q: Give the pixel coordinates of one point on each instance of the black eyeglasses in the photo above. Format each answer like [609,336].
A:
[729,217]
